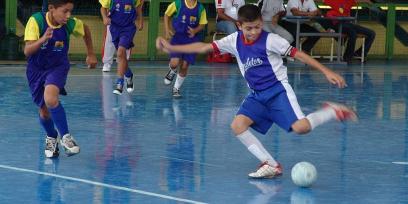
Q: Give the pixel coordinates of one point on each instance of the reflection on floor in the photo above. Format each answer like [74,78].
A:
[150,148]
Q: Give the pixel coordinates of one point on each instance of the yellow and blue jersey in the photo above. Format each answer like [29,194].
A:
[54,52]
[185,16]
[122,12]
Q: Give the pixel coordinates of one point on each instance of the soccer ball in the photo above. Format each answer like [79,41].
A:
[304,174]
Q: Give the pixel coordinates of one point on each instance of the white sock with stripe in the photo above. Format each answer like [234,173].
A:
[321,116]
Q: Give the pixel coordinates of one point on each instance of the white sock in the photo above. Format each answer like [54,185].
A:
[256,147]
[179,81]
[321,116]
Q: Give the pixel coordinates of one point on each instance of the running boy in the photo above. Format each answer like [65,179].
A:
[189,18]
[272,99]
[121,18]
[47,44]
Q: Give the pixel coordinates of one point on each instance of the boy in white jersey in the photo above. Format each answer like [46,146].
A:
[272,100]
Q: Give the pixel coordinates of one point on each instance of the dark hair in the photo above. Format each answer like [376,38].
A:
[58,3]
[249,13]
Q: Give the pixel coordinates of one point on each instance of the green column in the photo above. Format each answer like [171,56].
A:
[154,18]
[389,38]
[11,15]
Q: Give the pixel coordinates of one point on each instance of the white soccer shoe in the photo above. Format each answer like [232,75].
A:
[69,144]
[265,170]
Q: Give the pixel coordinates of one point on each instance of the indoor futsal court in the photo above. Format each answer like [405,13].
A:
[150,148]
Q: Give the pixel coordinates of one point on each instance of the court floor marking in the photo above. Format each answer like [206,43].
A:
[189,161]
[101,184]
[400,162]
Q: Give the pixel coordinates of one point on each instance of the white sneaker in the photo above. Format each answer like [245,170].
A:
[176,92]
[169,76]
[129,84]
[265,170]
[69,144]
[51,147]
[106,68]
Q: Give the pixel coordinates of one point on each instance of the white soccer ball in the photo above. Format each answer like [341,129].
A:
[304,174]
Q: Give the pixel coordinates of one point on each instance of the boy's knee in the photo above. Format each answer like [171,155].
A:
[301,130]
[238,127]
[121,52]
[301,127]
[51,102]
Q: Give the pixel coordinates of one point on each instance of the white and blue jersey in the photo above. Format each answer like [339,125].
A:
[272,99]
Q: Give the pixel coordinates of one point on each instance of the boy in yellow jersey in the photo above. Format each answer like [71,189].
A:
[121,16]
[188,19]
[47,43]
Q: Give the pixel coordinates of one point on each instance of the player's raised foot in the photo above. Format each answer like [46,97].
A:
[265,170]
[129,84]
[169,76]
[51,147]
[106,68]
[176,93]
[343,113]
[69,144]
[118,89]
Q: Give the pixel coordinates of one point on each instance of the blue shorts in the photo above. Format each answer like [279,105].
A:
[277,104]
[181,39]
[39,78]
[123,36]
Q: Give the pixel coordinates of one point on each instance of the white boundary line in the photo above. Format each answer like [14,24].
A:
[189,161]
[100,184]
[400,162]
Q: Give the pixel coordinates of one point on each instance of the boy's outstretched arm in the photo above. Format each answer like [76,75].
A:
[91,58]
[33,46]
[105,18]
[198,47]
[139,19]
[331,76]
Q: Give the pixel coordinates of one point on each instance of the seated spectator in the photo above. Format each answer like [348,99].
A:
[343,8]
[227,15]
[272,11]
[302,8]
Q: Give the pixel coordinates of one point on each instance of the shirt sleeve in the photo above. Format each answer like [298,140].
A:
[79,30]
[312,6]
[171,9]
[32,30]
[292,4]
[278,45]
[138,2]
[226,44]
[105,3]
[203,18]
[219,4]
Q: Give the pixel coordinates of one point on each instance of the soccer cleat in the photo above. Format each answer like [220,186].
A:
[343,113]
[169,76]
[106,68]
[119,89]
[266,171]
[176,93]
[69,144]
[129,84]
[51,147]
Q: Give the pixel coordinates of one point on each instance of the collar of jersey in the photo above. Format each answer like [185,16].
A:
[249,43]
[49,21]
[185,1]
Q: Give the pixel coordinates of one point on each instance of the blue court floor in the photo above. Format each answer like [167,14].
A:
[150,148]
